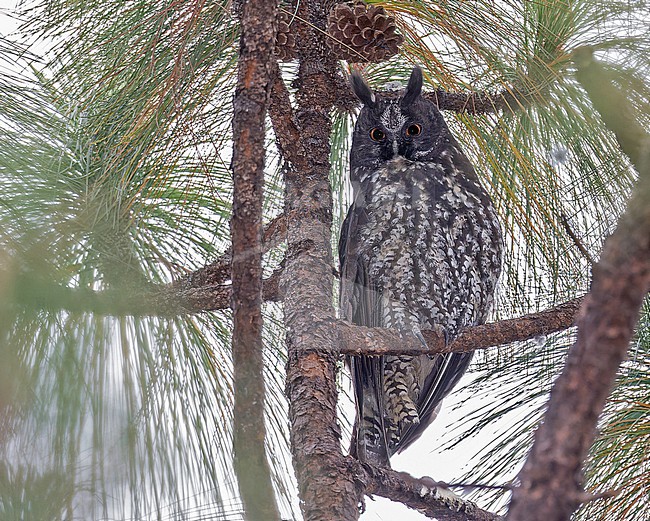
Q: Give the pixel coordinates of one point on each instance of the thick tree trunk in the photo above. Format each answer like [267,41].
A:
[326,482]
[327,487]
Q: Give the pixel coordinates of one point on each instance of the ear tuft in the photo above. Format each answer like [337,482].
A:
[414,87]
[362,91]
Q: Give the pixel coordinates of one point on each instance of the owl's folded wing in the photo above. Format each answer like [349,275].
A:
[360,304]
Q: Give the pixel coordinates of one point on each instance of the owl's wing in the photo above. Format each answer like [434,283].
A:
[359,301]
[360,304]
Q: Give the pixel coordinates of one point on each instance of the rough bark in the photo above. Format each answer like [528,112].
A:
[326,485]
[249,107]
[327,488]
[550,481]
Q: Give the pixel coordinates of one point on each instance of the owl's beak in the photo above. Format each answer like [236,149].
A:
[395,148]
[400,148]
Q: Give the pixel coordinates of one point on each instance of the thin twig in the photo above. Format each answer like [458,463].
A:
[218,271]
[479,486]
[576,240]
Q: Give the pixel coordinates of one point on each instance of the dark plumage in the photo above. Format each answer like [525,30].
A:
[420,248]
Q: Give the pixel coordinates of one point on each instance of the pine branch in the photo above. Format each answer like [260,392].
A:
[168,300]
[432,499]
[550,480]
[172,300]
[510,99]
[360,340]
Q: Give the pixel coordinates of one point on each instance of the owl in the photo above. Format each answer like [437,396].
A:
[420,248]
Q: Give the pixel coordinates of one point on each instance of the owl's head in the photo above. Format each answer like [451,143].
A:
[394,125]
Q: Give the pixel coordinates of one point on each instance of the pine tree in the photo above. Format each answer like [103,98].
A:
[134,134]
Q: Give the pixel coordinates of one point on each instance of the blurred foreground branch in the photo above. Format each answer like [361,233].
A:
[551,479]
[250,106]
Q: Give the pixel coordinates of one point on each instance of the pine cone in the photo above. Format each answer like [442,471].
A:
[285,41]
[361,33]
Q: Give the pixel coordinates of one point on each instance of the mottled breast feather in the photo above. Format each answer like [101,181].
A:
[420,248]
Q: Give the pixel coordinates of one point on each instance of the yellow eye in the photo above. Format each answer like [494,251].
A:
[413,130]
[377,134]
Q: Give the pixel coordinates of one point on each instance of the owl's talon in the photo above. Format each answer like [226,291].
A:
[419,336]
[442,332]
